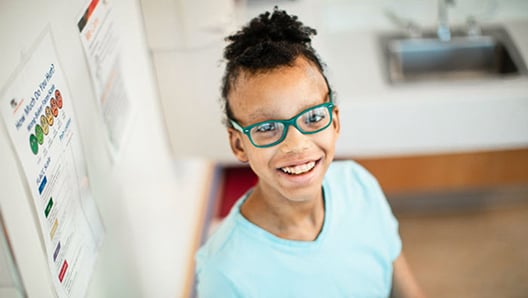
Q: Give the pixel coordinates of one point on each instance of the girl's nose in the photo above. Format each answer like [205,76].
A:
[295,141]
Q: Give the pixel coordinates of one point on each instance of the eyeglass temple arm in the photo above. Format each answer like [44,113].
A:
[236,125]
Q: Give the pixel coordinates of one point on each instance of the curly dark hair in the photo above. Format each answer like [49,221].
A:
[269,41]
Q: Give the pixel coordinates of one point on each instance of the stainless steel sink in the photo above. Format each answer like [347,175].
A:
[491,54]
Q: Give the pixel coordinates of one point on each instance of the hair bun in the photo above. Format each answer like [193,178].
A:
[267,29]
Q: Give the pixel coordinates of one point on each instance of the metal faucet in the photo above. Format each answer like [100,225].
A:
[443,31]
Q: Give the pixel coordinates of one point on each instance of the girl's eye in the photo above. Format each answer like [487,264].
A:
[314,116]
[266,127]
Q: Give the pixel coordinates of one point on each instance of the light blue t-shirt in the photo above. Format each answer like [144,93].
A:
[351,257]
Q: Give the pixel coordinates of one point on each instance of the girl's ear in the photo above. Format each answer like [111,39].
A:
[336,124]
[235,140]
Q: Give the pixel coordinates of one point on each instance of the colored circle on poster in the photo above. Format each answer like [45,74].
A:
[33,143]
[44,124]
[49,116]
[58,95]
[39,133]
[54,107]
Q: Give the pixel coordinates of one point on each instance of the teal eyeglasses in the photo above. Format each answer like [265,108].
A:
[272,132]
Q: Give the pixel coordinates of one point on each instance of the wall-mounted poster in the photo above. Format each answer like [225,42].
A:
[102,50]
[36,107]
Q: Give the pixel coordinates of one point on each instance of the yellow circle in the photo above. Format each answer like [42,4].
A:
[49,116]
[44,124]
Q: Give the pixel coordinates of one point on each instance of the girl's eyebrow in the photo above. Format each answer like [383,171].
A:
[264,115]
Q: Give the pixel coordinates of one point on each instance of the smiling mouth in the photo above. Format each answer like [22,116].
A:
[299,169]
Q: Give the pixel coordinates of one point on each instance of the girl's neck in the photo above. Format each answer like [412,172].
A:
[285,218]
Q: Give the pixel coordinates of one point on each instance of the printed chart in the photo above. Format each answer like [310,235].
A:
[36,107]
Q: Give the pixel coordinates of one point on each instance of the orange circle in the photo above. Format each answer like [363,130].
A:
[54,108]
[58,95]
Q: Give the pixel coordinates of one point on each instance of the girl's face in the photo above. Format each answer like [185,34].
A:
[293,169]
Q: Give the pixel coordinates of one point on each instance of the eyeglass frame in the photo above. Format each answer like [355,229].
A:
[287,123]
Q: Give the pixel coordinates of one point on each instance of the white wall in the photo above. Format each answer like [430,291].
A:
[149,202]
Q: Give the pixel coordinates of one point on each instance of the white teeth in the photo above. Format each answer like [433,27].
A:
[300,169]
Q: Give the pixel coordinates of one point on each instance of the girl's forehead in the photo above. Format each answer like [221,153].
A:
[280,94]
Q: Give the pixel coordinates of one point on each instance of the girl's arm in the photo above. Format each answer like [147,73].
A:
[403,282]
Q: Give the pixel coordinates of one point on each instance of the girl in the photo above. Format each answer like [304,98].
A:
[311,227]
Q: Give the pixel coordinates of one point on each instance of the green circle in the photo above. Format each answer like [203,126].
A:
[39,133]
[33,142]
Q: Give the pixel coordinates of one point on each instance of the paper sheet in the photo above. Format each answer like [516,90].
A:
[36,107]
[102,50]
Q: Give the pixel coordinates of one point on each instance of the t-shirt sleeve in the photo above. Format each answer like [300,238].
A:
[212,283]
[388,221]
